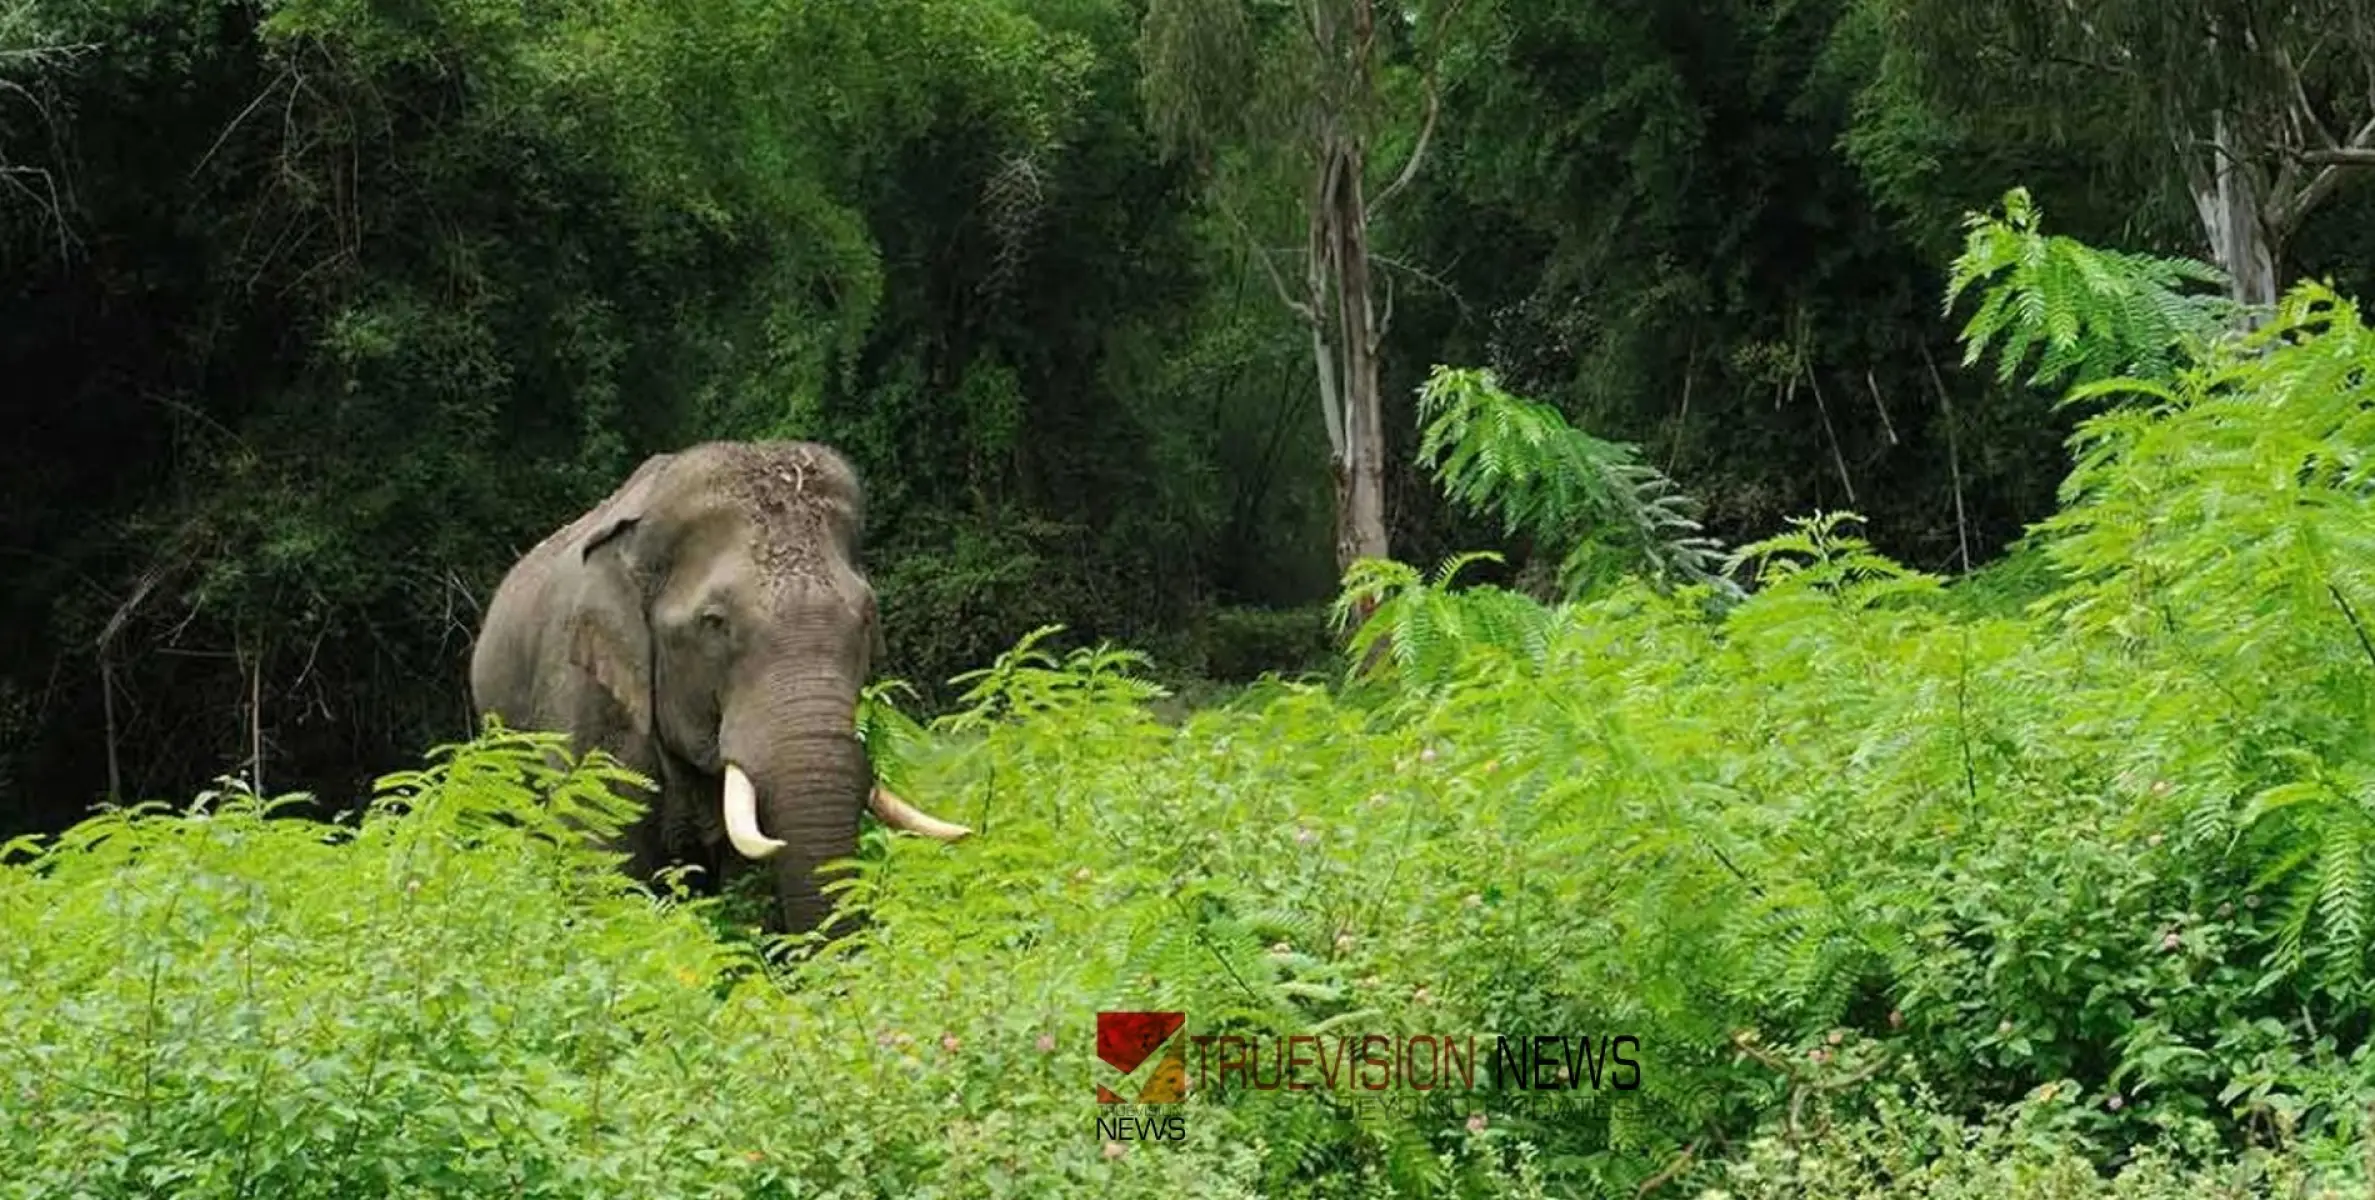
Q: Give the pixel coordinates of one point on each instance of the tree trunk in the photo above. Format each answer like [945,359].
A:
[1360,475]
[1344,341]
[1337,303]
[2234,218]
[1341,213]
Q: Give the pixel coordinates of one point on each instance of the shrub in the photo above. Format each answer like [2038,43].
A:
[453,997]
[1243,643]
[1898,892]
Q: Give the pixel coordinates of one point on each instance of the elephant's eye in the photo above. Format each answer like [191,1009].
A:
[712,622]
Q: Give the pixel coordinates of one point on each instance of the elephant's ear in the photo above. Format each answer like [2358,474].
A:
[609,627]
[609,632]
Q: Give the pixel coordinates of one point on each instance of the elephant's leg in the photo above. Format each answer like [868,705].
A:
[681,827]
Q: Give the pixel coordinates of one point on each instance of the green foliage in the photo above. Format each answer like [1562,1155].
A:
[1649,220]
[1026,680]
[1950,107]
[329,308]
[337,307]
[1910,1148]
[1896,895]
[2134,86]
[2243,476]
[1241,644]
[1973,889]
[2087,314]
[1815,554]
[2008,585]
[453,996]
[1897,891]
[1518,459]
[1434,633]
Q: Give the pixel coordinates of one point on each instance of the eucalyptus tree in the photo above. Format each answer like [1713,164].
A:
[2260,112]
[1336,100]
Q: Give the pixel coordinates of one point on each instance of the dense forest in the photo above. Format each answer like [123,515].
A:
[1829,538]
[316,315]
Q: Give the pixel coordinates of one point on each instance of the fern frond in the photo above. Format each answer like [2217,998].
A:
[2087,315]
[1503,456]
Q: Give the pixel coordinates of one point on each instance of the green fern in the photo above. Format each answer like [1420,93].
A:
[1432,633]
[1026,680]
[1817,554]
[2220,524]
[2086,314]
[1503,455]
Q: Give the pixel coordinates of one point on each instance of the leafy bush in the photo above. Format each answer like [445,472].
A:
[1243,643]
[453,997]
[1911,1149]
[2086,314]
[1900,892]
[1519,460]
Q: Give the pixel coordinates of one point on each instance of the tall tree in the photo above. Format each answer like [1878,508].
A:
[2259,111]
[1304,95]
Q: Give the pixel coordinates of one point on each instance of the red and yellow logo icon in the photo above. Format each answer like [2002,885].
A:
[1126,1040]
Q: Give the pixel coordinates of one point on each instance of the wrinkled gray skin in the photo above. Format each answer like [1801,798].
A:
[710,611]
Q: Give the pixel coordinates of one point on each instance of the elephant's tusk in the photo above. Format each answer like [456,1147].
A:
[899,814]
[742,817]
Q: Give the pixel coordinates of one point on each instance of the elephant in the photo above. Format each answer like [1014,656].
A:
[708,625]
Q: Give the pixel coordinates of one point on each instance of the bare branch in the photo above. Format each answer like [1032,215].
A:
[37,55]
[2090,64]
[2331,164]
[1673,1169]
[1318,268]
[1426,129]
[2286,183]
[47,198]
[2300,110]
[1300,308]
[2350,156]
[1954,463]
[2362,139]
[1885,424]
[1331,407]
[2220,149]
[2200,183]
[1418,150]
[1425,276]
[2371,84]
[115,768]
[1316,24]
[244,113]
[2305,201]
[1838,458]
[255,722]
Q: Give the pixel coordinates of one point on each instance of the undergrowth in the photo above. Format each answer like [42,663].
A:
[2060,889]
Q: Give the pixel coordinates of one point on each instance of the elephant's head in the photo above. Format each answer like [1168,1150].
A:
[724,611]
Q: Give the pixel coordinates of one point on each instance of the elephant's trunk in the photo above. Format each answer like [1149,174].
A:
[805,778]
